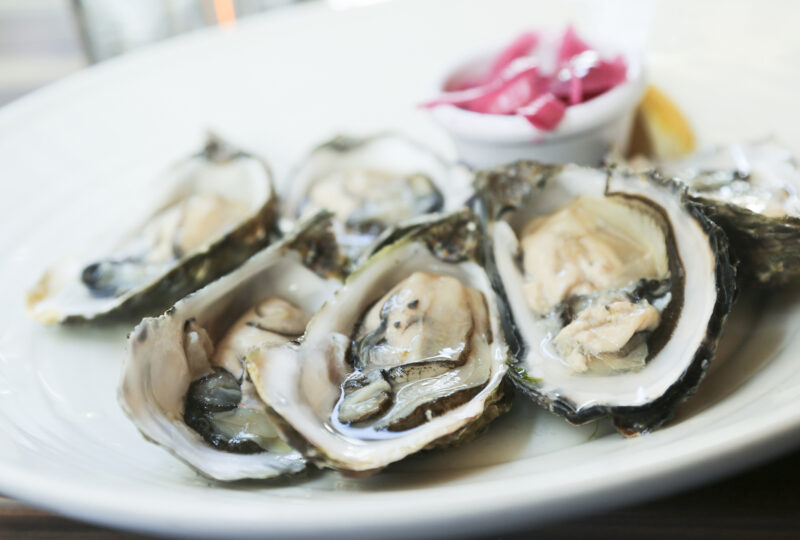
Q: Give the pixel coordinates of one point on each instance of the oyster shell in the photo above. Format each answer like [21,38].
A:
[617,284]
[408,355]
[218,212]
[183,382]
[373,183]
[751,191]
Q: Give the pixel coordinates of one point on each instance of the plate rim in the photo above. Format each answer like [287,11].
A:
[106,507]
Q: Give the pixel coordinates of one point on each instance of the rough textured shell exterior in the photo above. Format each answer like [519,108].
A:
[451,244]
[765,246]
[505,193]
[303,268]
[386,151]
[196,269]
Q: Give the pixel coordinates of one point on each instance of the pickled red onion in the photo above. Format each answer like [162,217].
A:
[517,86]
[514,83]
[522,46]
[544,112]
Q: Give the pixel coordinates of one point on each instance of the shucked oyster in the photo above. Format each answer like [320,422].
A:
[617,284]
[222,405]
[373,183]
[408,355]
[751,191]
[218,212]
[184,384]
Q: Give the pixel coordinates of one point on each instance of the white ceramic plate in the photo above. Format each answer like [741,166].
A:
[75,155]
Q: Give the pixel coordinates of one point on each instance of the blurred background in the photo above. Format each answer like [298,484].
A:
[42,40]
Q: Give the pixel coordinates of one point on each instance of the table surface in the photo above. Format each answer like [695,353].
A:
[39,43]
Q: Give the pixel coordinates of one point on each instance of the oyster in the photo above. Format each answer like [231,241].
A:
[219,211]
[183,382]
[373,183]
[408,355]
[617,284]
[751,191]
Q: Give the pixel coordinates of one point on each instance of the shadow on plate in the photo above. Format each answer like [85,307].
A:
[750,341]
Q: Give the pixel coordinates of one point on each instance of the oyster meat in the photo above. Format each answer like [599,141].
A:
[222,405]
[183,382]
[617,284]
[218,212]
[371,184]
[408,355]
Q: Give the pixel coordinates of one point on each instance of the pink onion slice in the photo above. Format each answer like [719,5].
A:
[583,84]
[603,76]
[571,45]
[518,85]
[545,112]
[510,94]
[514,83]
[522,45]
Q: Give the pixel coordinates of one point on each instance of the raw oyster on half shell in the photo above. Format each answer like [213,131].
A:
[218,211]
[371,184]
[184,384]
[408,355]
[617,284]
[751,191]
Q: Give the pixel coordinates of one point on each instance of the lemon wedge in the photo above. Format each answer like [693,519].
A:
[660,131]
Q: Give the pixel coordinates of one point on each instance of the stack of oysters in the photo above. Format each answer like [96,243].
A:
[392,302]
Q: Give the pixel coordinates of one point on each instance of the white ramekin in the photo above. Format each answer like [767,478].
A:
[585,135]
